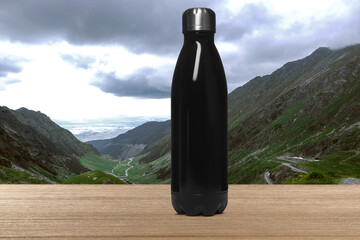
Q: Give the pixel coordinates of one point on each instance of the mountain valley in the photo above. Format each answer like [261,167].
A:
[297,125]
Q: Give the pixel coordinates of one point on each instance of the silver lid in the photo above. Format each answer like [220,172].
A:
[198,19]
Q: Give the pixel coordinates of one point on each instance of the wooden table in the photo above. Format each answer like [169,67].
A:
[145,212]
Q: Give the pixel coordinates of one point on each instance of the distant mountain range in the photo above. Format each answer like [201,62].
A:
[37,148]
[300,124]
[134,141]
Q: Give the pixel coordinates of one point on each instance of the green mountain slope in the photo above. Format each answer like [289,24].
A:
[31,143]
[63,138]
[102,163]
[308,108]
[94,177]
[9,175]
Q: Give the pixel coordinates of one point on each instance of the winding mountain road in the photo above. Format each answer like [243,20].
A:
[288,161]
[130,167]
[267,177]
[295,160]
[295,169]
[126,170]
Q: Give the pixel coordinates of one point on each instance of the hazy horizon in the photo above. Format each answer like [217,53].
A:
[104,129]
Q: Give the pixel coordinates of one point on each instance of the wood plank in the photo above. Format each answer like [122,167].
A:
[145,211]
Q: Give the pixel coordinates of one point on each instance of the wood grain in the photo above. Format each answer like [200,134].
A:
[145,212]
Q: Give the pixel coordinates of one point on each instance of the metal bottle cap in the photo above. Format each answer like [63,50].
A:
[198,19]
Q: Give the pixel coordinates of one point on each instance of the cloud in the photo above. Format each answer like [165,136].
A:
[78,61]
[267,34]
[141,26]
[8,66]
[5,82]
[144,83]
[250,18]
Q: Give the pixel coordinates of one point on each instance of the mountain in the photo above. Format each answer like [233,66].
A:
[300,124]
[99,144]
[63,138]
[134,141]
[308,109]
[30,142]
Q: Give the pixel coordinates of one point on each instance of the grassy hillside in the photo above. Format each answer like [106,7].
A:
[102,163]
[8,175]
[30,142]
[94,177]
[309,108]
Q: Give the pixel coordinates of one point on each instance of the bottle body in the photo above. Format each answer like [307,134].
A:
[199,166]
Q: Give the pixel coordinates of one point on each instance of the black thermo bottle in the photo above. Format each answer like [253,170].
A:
[199,165]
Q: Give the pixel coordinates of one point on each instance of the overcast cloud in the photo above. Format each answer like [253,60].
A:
[142,25]
[8,66]
[129,48]
[78,61]
[138,85]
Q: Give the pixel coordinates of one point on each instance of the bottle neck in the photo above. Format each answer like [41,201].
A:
[200,36]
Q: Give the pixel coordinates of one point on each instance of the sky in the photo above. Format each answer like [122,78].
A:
[86,60]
